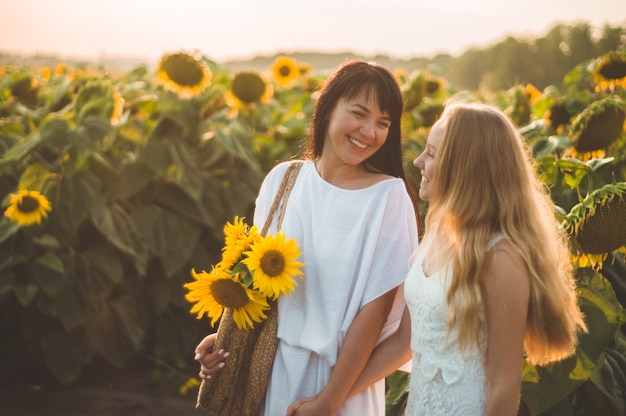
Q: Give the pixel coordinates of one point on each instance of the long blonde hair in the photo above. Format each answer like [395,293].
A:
[486,184]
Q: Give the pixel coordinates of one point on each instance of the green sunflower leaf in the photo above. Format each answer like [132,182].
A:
[7,229]
[50,261]
[116,331]
[25,293]
[574,170]
[117,226]
[47,241]
[610,373]
[20,150]
[65,353]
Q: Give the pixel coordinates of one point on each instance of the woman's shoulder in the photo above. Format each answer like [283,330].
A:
[502,244]
[278,171]
[391,185]
[506,256]
[376,178]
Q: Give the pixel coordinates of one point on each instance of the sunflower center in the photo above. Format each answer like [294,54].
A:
[183,70]
[614,69]
[273,263]
[28,204]
[432,86]
[601,129]
[604,231]
[559,115]
[284,71]
[248,87]
[229,294]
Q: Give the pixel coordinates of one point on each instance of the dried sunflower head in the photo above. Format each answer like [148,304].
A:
[599,125]
[597,225]
[558,115]
[609,71]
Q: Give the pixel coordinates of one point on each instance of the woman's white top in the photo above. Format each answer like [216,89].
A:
[356,246]
[444,381]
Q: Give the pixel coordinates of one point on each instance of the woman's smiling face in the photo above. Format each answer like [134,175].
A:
[357,129]
[426,160]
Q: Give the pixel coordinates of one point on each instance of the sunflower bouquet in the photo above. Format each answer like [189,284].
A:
[253,269]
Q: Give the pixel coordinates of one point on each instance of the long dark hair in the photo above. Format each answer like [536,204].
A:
[347,81]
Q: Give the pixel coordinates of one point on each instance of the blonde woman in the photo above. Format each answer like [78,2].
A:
[491,280]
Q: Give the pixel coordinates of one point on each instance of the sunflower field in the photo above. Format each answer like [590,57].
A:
[115,187]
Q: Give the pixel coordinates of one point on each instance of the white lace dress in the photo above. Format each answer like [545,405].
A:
[444,382]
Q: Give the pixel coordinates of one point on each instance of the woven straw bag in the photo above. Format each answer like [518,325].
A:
[239,388]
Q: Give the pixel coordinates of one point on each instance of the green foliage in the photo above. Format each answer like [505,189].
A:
[139,198]
[395,392]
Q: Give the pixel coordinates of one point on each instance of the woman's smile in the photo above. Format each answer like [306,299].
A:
[357,143]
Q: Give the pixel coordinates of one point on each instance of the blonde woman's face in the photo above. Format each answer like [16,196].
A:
[426,160]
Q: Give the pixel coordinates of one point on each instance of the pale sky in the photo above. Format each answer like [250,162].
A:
[231,29]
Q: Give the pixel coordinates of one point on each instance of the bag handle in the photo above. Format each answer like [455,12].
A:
[282,195]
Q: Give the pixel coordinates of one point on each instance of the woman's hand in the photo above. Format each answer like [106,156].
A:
[210,361]
[309,406]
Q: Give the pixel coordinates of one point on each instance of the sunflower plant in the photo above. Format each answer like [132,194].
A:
[253,269]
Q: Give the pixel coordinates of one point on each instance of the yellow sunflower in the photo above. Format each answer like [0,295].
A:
[183,74]
[609,71]
[599,125]
[61,69]
[28,207]
[285,70]
[238,238]
[304,68]
[214,291]
[248,88]
[44,73]
[272,261]
[597,225]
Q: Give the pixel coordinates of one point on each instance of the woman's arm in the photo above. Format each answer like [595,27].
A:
[353,355]
[387,357]
[507,290]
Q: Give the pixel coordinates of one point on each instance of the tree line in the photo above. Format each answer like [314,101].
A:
[541,61]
